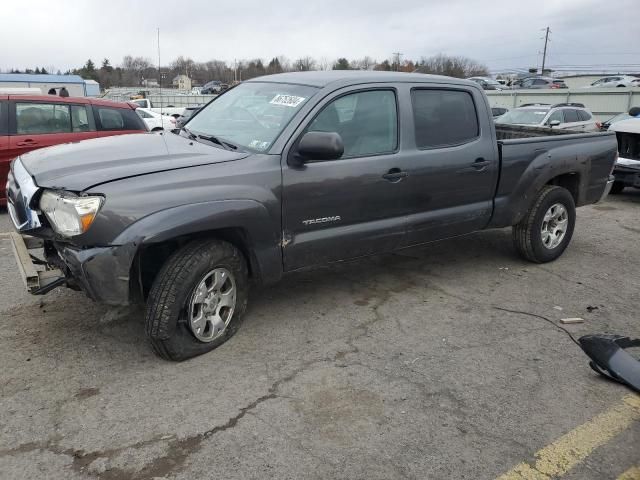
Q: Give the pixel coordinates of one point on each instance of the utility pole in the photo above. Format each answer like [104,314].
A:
[396,56]
[159,72]
[544,53]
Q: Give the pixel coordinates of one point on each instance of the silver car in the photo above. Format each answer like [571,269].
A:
[566,116]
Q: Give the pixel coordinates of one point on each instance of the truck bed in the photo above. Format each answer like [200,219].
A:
[507,132]
[531,157]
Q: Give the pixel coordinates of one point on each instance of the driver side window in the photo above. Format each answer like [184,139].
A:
[557,115]
[366,121]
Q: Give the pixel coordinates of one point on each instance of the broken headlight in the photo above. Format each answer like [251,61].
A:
[68,213]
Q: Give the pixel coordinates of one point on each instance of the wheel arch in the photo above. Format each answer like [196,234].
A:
[150,257]
[246,224]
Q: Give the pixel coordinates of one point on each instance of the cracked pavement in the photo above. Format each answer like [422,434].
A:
[397,366]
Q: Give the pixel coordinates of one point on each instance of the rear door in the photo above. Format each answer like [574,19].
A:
[571,120]
[453,166]
[588,123]
[37,124]
[117,121]
[353,206]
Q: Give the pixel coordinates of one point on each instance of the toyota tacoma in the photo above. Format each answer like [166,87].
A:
[288,172]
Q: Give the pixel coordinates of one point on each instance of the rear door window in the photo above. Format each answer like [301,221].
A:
[34,118]
[583,116]
[570,115]
[117,119]
[443,117]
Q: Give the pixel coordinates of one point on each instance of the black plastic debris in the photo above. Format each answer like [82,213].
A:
[609,358]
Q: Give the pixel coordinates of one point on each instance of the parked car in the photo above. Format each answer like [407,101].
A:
[614,81]
[616,118]
[213,87]
[540,82]
[635,83]
[169,110]
[186,115]
[186,222]
[562,116]
[627,168]
[29,122]
[196,91]
[156,122]
[488,83]
[498,111]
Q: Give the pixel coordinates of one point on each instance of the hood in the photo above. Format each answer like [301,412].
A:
[632,125]
[81,165]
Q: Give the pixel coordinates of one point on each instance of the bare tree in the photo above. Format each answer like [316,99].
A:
[366,63]
[305,64]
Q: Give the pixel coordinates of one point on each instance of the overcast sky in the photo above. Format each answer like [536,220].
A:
[499,33]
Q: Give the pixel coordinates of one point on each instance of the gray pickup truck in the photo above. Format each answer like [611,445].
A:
[288,172]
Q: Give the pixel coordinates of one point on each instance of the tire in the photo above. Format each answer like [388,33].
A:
[528,236]
[616,188]
[168,314]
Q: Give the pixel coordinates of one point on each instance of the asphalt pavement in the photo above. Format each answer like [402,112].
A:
[399,366]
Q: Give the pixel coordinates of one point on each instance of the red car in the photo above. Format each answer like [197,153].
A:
[28,122]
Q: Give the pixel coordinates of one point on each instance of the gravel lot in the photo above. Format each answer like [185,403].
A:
[398,366]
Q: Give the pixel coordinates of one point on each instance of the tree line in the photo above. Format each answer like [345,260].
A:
[133,71]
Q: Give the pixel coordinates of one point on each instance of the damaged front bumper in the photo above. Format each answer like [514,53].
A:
[101,272]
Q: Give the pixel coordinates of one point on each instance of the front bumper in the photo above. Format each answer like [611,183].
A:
[39,278]
[627,171]
[102,273]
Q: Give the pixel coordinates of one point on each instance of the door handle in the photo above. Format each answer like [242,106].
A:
[480,164]
[27,143]
[395,175]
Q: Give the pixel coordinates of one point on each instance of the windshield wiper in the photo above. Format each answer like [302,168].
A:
[210,138]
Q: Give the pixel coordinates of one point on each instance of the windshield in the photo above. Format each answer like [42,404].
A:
[523,117]
[251,115]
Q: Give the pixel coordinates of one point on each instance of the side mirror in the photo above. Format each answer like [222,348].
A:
[318,146]
[554,123]
[634,111]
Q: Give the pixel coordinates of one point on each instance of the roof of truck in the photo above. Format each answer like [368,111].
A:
[352,77]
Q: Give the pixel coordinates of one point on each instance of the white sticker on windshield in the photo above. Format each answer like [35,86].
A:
[287,100]
[259,145]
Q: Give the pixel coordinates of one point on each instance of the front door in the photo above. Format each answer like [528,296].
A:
[352,206]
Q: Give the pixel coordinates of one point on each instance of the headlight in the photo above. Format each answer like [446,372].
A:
[69,214]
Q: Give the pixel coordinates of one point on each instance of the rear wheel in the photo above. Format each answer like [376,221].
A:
[546,230]
[197,300]
[616,188]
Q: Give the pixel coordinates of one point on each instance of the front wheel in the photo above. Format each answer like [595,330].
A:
[197,300]
[546,229]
